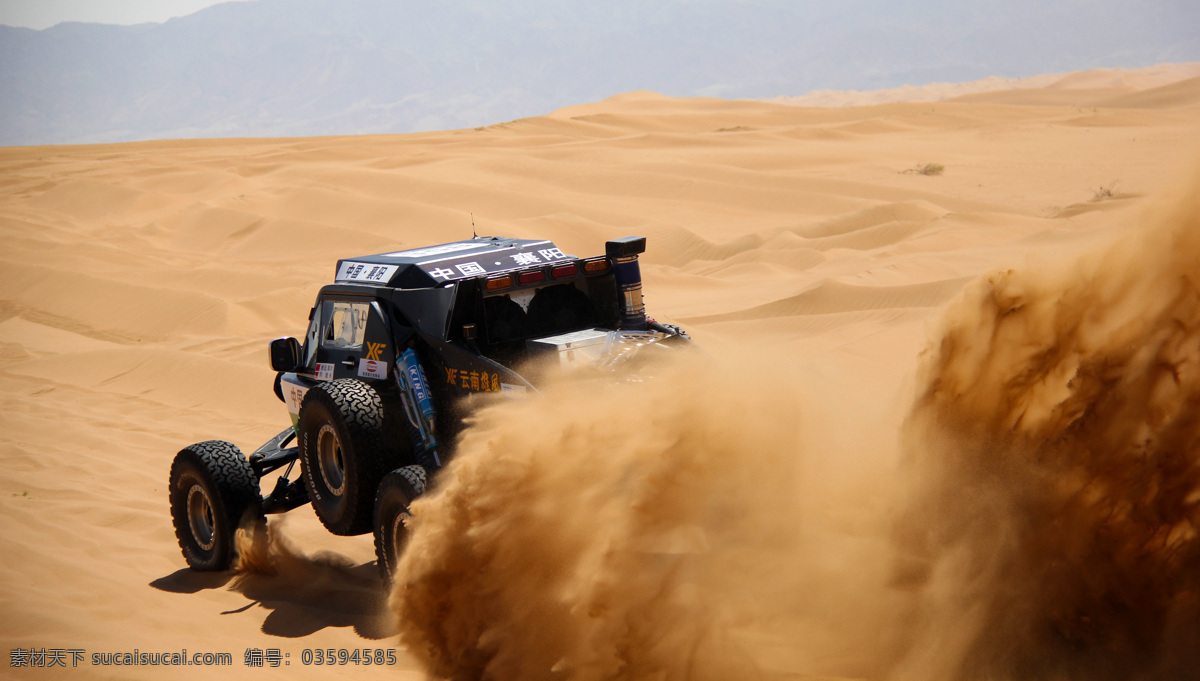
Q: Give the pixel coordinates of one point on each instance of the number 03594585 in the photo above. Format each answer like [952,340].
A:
[341,656]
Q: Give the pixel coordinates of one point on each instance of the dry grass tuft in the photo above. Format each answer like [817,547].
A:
[1109,192]
[925,169]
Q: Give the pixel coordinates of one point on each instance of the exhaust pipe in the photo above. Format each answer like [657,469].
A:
[624,254]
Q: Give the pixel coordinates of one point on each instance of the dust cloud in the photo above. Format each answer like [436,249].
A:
[655,529]
[1035,516]
[306,592]
[1056,447]
[254,551]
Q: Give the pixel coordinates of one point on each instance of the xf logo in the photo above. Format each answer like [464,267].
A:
[375,351]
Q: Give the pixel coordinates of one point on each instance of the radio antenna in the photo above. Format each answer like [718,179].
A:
[474,235]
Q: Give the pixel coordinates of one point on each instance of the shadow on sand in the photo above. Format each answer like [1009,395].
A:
[301,594]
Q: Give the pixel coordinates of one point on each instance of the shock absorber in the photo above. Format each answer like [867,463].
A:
[418,407]
[624,254]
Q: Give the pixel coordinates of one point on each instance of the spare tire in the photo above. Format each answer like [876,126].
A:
[346,446]
[211,488]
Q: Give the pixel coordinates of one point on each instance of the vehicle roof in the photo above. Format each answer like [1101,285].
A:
[434,266]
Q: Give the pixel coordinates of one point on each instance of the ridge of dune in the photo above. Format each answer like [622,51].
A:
[833,297]
[141,284]
[1179,94]
[1106,82]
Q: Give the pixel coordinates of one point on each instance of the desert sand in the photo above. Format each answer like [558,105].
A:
[141,283]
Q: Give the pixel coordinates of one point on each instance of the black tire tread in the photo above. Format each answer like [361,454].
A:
[363,413]
[236,490]
[414,478]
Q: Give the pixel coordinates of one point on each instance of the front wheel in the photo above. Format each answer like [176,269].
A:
[211,488]
[397,490]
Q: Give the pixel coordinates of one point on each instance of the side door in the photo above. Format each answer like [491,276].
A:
[354,340]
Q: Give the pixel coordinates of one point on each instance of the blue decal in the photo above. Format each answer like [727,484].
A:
[418,404]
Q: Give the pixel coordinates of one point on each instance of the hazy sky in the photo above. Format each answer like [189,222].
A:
[46,13]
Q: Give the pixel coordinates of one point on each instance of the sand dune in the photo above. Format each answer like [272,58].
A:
[1104,81]
[142,281]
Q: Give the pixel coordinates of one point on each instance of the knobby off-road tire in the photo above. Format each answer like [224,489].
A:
[397,490]
[212,488]
[346,447]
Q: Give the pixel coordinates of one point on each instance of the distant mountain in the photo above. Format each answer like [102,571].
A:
[321,67]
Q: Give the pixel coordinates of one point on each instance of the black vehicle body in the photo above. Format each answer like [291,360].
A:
[427,331]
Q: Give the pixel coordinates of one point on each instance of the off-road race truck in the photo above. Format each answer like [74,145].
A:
[399,349]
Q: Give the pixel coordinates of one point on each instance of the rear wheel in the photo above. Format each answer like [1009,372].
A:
[397,490]
[211,488]
[346,446]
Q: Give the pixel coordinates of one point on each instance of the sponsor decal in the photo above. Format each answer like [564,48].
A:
[511,388]
[375,351]
[370,368]
[363,271]
[324,372]
[293,395]
[414,377]
[474,381]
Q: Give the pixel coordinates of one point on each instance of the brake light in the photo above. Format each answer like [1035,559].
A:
[564,271]
[531,277]
[498,283]
[596,265]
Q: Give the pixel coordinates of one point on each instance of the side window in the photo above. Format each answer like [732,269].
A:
[312,337]
[346,326]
